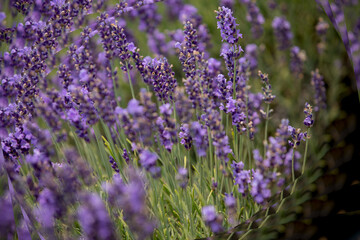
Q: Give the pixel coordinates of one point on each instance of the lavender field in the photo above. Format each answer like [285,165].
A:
[178,119]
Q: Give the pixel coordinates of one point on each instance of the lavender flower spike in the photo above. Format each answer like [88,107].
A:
[282,32]
[317,81]
[227,25]
[211,219]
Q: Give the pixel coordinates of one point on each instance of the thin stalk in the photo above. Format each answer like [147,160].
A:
[292,165]
[130,82]
[266,128]
[306,149]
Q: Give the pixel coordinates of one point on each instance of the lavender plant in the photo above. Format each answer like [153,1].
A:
[101,142]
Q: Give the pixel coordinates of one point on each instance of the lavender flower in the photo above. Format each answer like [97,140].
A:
[230,204]
[317,81]
[182,177]
[130,198]
[161,76]
[308,121]
[211,219]
[297,136]
[148,161]
[94,218]
[227,3]
[297,60]
[113,164]
[241,177]
[268,97]
[260,187]
[227,25]
[251,56]
[125,155]
[200,138]
[185,136]
[255,18]
[282,32]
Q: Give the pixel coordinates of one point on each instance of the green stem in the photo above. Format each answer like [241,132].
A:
[266,128]
[130,82]
[306,149]
[292,165]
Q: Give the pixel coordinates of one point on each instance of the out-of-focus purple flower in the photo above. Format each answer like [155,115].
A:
[282,32]
[94,218]
[182,177]
[185,136]
[317,81]
[260,190]
[230,204]
[255,18]
[47,208]
[297,60]
[130,198]
[148,161]
[2,16]
[321,27]
[125,155]
[7,221]
[227,25]
[211,219]
[241,177]
[227,3]
[167,126]
[220,139]
[134,108]
[251,56]
[200,138]
[113,164]
[230,201]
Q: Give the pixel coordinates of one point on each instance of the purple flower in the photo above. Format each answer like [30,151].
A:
[148,161]
[161,76]
[241,177]
[125,155]
[182,177]
[134,108]
[260,190]
[185,136]
[308,121]
[251,56]
[267,92]
[255,18]
[113,164]
[130,198]
[200,138]
[282,32]
[297,60]
[94,218]
[297,136]
[211,219]
[227,25]
[317,81]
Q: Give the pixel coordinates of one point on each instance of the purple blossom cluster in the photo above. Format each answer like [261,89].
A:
[317,81]
[227,25]
[211,219]
[282,32]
